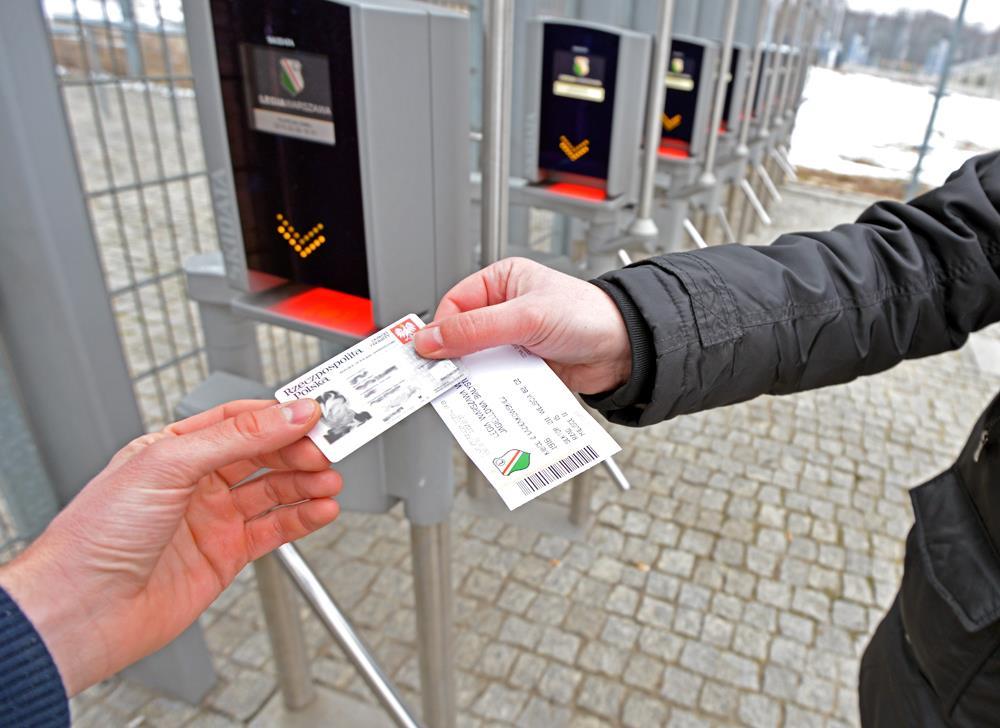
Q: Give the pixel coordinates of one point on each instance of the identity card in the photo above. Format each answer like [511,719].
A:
[370,387]
[520,425]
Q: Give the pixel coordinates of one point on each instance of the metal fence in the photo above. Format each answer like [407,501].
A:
[123,69]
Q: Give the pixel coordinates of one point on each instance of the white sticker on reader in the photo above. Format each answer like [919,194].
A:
[520,425]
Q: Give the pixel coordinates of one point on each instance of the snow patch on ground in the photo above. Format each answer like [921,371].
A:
[860,124]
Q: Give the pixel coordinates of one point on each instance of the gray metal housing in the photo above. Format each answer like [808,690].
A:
[706,92]
[414,165]
[631,77]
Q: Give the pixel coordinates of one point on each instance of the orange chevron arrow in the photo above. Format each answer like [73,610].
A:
[671,122]
[573,151]
[303,244]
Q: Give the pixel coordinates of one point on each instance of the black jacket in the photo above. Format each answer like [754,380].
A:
[722,325]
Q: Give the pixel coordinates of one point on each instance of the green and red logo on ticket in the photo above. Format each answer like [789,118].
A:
[512,461]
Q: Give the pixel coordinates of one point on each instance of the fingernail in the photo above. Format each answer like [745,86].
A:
[429,339]
[299,411]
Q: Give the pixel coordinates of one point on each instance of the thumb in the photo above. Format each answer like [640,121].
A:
[510,322]
[249,434]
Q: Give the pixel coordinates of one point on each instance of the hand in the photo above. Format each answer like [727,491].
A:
[151,541]
[573,325]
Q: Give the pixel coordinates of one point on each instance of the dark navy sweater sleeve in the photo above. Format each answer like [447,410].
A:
[31,690]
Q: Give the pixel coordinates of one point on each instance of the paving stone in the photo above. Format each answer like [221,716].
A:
[850,616]
[584,620]
[500,703]
[540,713]
[559,683]
[655,613]
[643,672]
[688,622]
[642,711]
[680,686]
[601,696]
[780,682]
[759,711]
[520,632]
[720,700]
[717,631]
[676,562]
[623,600]
[559,644]
[602,658]
[241,698]
[620,632]
[527,671]
[516,598]
[660,644]
[497,659]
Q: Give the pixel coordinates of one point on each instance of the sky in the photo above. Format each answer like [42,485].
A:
[986,12]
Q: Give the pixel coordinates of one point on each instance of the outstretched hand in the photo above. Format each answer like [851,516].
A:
[154,538]
[573,325]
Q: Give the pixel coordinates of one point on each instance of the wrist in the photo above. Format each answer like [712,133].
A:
[638,353]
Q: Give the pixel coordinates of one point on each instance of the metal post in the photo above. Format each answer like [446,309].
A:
[796,32]
[354,648]
[617,474]
[708,174]
[775,66]
[696,236]
[727,229]
[942,88]
[579,499]
[755,78]
[643,224]
[755,204]
[433,590]
[495,156]
[130,39]
[768,183]
[497,72]
[281,612]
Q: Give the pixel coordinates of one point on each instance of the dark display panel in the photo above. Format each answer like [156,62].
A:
[287,80]
[683,79]
[578,93]
[764,74]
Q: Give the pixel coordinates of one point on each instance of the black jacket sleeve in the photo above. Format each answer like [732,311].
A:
[722,325]
[31,690]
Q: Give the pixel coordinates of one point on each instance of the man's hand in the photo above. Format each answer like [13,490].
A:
[155,537]
[573,325]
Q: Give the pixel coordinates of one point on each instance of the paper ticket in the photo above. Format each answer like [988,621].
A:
[520,425]
[368,388]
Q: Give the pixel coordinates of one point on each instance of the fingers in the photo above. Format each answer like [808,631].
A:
[496,283]
[282,525]
[511,322]
[300,455]
[257,435]
[216,415]
[284,488]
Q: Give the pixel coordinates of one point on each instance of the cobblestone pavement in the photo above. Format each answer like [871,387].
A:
[736,583]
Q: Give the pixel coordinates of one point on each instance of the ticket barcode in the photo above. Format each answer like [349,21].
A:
[567,466]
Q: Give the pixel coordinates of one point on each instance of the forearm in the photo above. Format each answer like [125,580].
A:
[729,323]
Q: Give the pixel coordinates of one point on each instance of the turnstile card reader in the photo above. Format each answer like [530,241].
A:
[739,79]
[687,108]
[335,134]
[584,100]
